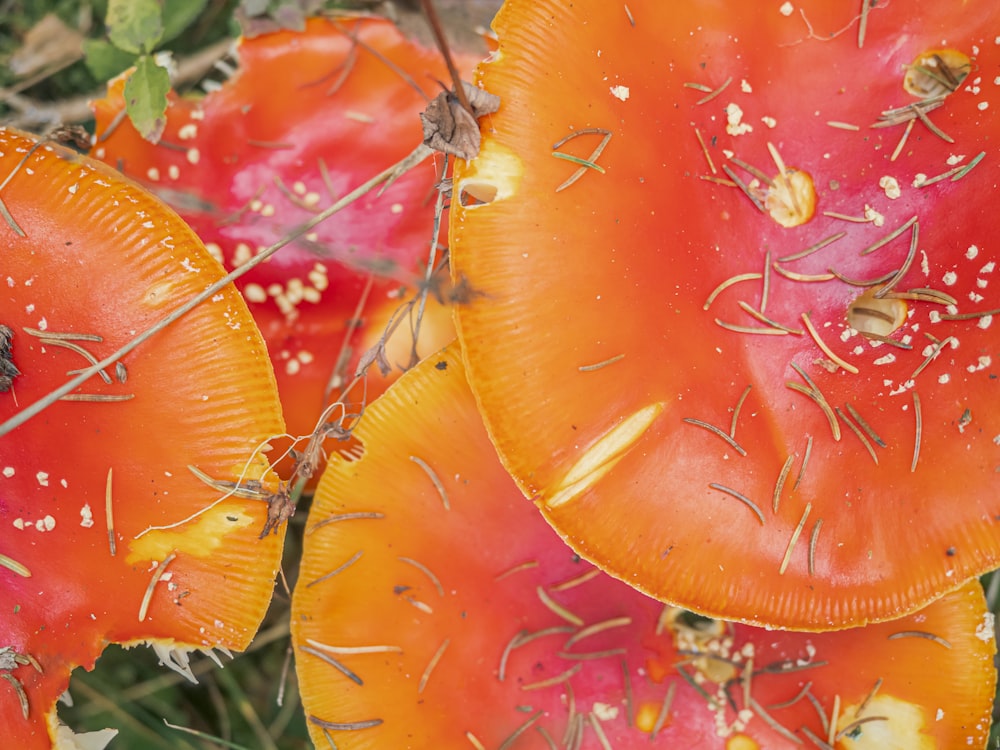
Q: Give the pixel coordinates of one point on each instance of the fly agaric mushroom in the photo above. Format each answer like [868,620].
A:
[307,117]
[739,347]
[436,608]
[114,526]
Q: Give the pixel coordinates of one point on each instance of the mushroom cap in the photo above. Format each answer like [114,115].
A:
[703,455]
[100,261]
[436,608]
[307,117]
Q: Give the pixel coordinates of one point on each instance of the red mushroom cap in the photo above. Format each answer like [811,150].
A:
[306,118]
[745,394]
[435,608]
[108,535]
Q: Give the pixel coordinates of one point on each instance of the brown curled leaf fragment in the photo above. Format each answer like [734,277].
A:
[451,129]
[280,507]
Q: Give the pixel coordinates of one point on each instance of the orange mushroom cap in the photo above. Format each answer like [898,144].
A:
[436,608]
[744,357]
[95,490]
[306,118]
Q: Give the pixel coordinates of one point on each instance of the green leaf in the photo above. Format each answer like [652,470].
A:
[178,15]
[104,60]
[134,25]
[146,98]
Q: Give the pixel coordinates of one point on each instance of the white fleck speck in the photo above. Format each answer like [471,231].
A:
[942,379]
[193,155]
[874,216]
[954,159]
[985,322]
[29,309]
[187,132]
[64,483]
[86,516]
[604,712]
[8,471]
[903,387]
[919,179]
[173,171]
[18,523]
[267,210]
[934,316]
[153,173]
[43,478]
[769,121]
[620,92]
[396,208]
[891,187]
[786,9]
[950,278]
[734,117]
[745,86]
[73,188]
[242,254]
[974,297]
[988,268]
[888,359]
[46,524]
[985,629]
[981,364]
[972,252]
[254,293]
[983,106]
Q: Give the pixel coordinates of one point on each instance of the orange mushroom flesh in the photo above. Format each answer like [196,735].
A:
[732,399]
[435,607]
[306,118]
[114,529]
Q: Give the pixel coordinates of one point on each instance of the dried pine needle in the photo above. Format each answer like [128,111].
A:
[14,566]
[575,581]
[434,479]
[716,431]
[795,537]
[431,665]
[590,163]
[558,609]
[728,283]
[918,416]
[824,348]
[157,575]
[779,485]
[920,634]
[741,497]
